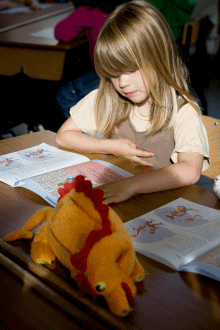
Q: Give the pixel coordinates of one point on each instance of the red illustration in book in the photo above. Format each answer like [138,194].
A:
[39,153]
[147,225]
[181,215]
[7,160]
[190,219]
[35,153]
[181,210]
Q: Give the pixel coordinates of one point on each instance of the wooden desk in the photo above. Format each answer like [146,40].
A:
[37,57]
[11,21]
[166,300]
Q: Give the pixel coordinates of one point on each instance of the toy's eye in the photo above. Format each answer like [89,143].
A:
[100,286]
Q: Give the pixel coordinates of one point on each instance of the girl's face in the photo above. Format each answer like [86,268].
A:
[133,86]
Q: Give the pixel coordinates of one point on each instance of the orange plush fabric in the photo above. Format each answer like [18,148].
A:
[88,238]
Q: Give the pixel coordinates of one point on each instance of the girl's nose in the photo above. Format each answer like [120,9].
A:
[123,80]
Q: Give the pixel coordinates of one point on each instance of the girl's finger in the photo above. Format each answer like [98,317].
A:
[141,161]
[108,200]
[142,153]
[132,144]
[106,195]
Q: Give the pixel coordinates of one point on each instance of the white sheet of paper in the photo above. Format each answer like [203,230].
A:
[21,10]
[45,33]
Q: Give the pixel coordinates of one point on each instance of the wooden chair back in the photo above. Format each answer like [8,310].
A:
[190,32]
[212,126]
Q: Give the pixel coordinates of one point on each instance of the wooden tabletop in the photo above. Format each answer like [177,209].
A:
[166,299]
[41,57]
[11,21]
[21,36]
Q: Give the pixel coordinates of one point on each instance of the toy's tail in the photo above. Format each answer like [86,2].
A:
[33,222]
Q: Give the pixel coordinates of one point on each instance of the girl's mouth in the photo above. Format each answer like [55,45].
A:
[130,94]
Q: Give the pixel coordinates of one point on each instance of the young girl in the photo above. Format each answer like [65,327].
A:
[142,106]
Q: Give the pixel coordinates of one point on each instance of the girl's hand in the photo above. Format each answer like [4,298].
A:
[117,191]
[128,149]
[35,5]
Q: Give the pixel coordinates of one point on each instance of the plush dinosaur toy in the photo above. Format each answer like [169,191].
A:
[90,239]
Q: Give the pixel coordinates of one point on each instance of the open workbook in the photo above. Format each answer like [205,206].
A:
[44,169]
[182,235]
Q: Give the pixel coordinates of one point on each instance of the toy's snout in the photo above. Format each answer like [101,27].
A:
[120,310]
[120,297]
[129,297]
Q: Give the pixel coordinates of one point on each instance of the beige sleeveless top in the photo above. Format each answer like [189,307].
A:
[188,130]
[161,143]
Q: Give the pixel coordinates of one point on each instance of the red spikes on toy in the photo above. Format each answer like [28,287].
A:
[95,195]
[67,187]
[82,185]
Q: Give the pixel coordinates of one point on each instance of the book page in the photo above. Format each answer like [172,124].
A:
[207,265]
[97,171]
[33,161]
[176,233]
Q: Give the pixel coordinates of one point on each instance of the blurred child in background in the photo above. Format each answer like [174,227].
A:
[88,18]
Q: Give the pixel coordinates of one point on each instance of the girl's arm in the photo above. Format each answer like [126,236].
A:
[69,136]
[186,172]
[69,28]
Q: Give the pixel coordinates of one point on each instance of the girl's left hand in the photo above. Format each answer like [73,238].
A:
[34,5]
[117,191]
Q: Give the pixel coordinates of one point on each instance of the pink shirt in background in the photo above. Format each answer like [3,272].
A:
[83,19]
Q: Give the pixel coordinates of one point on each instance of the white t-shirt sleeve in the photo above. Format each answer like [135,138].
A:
[83,113]
[190,135]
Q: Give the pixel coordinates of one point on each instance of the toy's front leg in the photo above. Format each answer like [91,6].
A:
[41,251]
[126,260]
[138,274]
[124,249]
[33,222]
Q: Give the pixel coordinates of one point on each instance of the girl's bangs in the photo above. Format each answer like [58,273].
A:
[114,60]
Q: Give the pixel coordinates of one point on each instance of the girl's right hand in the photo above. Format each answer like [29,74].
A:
[128,149]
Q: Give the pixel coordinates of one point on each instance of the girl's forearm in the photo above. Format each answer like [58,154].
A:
[80,142]
[171,177]
[186,172]
[174,176]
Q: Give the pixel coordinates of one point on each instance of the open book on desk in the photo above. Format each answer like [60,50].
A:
[44,169]
[182,235]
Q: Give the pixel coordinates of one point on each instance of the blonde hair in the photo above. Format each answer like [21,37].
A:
[136,36]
